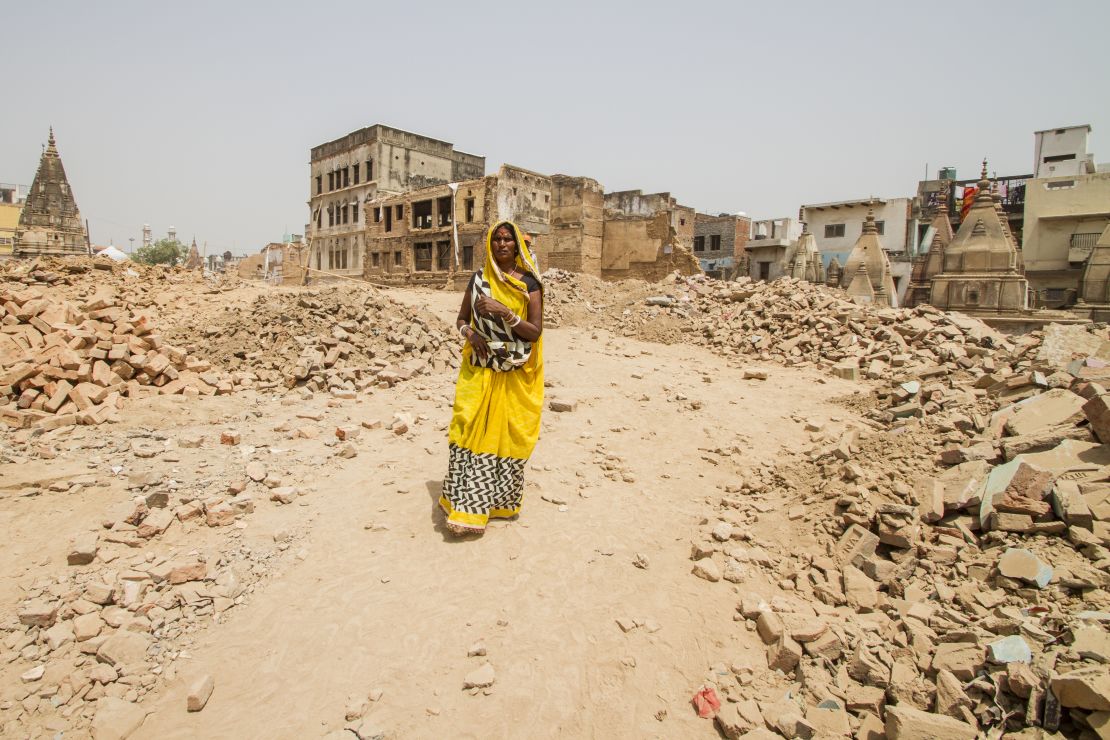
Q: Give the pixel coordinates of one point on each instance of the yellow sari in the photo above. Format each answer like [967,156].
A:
[496,418]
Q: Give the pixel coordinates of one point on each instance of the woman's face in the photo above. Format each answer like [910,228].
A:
[504,245]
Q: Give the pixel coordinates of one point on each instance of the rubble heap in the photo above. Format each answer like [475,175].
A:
[338,339]
[947,572]
[64,363]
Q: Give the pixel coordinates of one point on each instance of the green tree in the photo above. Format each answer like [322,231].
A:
[162,252]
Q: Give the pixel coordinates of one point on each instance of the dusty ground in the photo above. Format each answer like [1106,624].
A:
[372,594]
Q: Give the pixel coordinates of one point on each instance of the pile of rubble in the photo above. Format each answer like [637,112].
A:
[956,579]
[339,339]
[63,363]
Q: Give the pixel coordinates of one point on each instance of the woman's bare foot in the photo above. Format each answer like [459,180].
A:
[460,531]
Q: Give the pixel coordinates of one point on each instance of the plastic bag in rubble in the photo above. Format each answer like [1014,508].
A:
[707,703]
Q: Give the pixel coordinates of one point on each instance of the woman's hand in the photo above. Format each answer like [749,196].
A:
[479,344]
[487,306]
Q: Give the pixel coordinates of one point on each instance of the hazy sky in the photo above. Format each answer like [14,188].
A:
[201,114]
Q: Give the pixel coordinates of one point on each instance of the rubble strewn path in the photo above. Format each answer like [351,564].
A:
[385,602]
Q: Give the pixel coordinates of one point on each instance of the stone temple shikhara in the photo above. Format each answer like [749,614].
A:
[50,223]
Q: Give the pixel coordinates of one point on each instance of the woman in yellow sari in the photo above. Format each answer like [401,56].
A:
[499,393]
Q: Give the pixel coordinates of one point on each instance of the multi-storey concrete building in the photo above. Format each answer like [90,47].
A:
[347,173]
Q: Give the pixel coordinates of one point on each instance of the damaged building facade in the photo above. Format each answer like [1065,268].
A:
[348,172]
[410,238]
[399,208]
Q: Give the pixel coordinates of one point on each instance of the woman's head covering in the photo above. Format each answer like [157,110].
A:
[525,260]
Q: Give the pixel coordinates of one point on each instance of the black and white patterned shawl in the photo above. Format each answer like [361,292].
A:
[507,351]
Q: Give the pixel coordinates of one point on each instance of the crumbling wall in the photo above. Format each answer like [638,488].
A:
[577,225]
[644,248]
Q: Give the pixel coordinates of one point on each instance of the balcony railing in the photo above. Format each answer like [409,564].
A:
[1084,241]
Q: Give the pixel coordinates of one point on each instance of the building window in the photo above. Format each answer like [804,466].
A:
[356,173]
[1059,157]
[331,216]
[388,218]
[715,243]
[331,181]
[346,176]
[699,243]
[319,184]
[397,259]
[443,211]
[345,208]
[468,257]
[369,170]
[375,260]
[880,226]
[973,297]
[354,212]
[378,215]
[681,222]
[834,230]
[422,256]
[443,255]
[421,214]
[399,212]
[469,210]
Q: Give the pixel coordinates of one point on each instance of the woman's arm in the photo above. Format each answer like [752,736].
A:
[529,330]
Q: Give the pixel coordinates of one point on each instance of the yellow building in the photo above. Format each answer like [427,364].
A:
[1064,217]
[11,203]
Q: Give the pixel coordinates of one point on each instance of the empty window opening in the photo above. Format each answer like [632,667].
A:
[400,212]
[388,218]
[397,259]
[375,260]
[346,176]
[715,242]
[699,243]
[1059,157]
[443,211]
[369,170]
[443,255]
[681,222]
[356,174]
[422,256]
[378,215]
[331,217]
[833,230]
[764,270]
[354,212]
[331,181]
[319,184]
[469,202]
[421,214]
[468,257]
[880,226]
